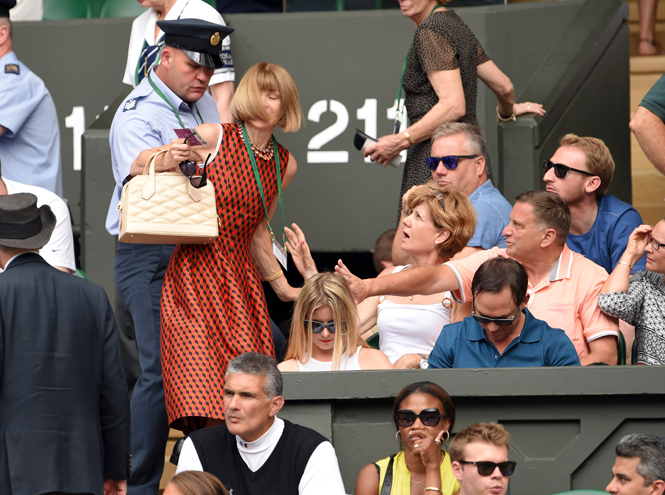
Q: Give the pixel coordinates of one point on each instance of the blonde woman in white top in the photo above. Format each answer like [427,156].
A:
[324,330]
[438,226]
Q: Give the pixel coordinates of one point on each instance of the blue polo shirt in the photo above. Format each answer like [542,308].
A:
[464,345]
[607,239]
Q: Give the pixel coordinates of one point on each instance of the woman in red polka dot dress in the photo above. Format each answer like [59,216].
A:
[213,307]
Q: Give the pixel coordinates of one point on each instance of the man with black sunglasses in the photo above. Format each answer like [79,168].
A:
[459,162]
[479,455]
[501,332]
[581,171]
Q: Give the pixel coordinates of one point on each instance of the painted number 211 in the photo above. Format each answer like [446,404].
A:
[367,113]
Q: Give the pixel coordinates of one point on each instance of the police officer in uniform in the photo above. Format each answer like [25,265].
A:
[29,132]
[174,95]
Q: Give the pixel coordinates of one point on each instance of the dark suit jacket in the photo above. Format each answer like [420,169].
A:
[64,407]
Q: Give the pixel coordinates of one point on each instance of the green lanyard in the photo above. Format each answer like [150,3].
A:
[398,115]
[175,111]
[255,169]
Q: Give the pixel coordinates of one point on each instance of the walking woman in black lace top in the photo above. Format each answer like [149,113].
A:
[440,84]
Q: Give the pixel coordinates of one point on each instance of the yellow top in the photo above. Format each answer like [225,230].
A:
[402,476]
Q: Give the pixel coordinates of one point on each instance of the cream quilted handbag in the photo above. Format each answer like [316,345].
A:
[165,209]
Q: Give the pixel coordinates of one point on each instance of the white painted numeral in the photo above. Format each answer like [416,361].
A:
[368,114]
[76,121]
[328,134]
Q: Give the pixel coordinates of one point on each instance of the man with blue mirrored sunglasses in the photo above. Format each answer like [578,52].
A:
[459,162]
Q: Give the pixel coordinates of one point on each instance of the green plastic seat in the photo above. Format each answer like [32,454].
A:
[373,341]
[621,350]
[582,492]
[121,8]
[66,9]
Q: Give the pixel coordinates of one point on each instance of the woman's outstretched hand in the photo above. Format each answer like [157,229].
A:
[297,246]
[358,286]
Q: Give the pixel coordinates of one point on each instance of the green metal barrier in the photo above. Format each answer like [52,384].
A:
[564,422]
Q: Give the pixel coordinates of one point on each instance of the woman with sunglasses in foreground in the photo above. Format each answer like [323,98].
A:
[213,307]
[639,299]
[438,225]
[424,415]
[324,330]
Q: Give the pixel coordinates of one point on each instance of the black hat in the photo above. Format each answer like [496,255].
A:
[22,224]
[200,40]
[5,6]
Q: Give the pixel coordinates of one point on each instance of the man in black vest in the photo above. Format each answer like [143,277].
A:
[256,452]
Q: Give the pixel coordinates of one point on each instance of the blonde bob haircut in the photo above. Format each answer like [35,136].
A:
[325,289]
[247,104]
[459,217]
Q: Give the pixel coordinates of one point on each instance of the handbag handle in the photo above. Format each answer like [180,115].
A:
[150,187]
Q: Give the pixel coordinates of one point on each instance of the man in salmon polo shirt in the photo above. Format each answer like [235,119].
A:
[563,285]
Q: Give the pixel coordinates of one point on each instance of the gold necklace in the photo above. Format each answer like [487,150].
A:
[418,482]
[265,154]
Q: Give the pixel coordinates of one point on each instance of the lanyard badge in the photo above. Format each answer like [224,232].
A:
[279,250]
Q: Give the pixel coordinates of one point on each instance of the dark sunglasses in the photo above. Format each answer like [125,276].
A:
[318,326]
[450,162]
[655,244]
[561,170]
[486,468]
[190,169]
[428,417]
[502,322]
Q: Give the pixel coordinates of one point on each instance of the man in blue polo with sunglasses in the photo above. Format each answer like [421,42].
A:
[173,96]
[581,171]
[459,163]
[501,332]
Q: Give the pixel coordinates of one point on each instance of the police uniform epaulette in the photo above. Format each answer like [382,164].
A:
[12,69]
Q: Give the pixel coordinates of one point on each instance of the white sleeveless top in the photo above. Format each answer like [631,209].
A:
[349,363]
[409,328]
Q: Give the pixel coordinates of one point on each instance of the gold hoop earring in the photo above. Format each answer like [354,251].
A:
[447,436]
[398,437]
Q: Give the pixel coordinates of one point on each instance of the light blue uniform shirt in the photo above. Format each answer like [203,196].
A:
[146,121]
[30,148]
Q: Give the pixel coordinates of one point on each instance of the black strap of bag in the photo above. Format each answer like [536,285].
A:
[388,479]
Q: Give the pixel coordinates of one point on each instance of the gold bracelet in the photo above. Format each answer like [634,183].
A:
[275,276]
[504,119]
[408,138]
[432,489]
[624,263]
